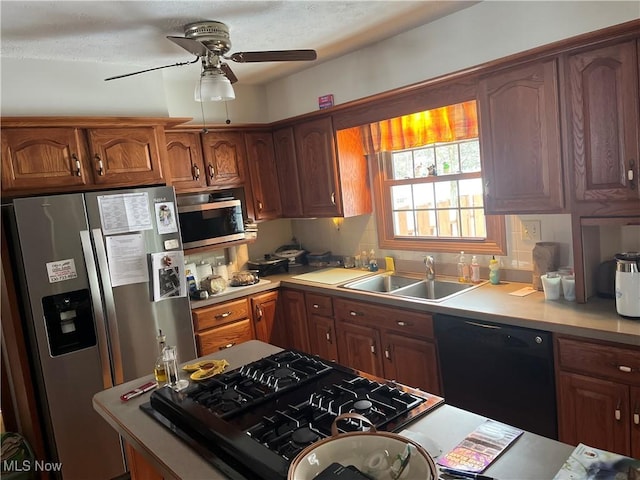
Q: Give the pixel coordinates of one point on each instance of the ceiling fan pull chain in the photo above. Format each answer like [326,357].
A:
[226,109]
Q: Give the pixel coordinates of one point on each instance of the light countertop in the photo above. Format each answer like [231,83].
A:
[596,319]
[531,457]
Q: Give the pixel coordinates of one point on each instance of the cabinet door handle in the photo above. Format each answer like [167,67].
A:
[373,349]
[100,166]
[328,335]
[387,353]
[624,368]
[636,415]
[333,198]
[353,313]
[212,171]
[196,172]
[631,174]
[618,413]
[486,188]
[75,158]
[259,312]
[259,206]
[228,345]
[315,305]
[223,315]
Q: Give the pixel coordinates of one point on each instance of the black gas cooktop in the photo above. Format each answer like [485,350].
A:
[251,422]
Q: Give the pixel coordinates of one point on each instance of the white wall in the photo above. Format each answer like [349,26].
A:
[483,32]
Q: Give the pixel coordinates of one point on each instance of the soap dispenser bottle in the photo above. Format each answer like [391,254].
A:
[463,269]
[475,270]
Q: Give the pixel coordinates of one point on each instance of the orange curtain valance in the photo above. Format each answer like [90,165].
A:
[445,124]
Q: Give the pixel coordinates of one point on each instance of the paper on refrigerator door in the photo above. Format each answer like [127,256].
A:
[124,212]
[127,259]
[169,279]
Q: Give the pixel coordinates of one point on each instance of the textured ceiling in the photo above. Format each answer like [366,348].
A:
[132,33]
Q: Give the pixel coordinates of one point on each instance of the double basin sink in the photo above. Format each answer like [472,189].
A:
[410,287]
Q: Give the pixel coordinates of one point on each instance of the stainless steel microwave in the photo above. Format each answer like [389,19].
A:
[211,223]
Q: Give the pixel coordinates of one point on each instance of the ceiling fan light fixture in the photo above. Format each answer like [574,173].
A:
[213,86]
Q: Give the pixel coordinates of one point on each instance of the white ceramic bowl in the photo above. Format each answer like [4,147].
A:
[366,451]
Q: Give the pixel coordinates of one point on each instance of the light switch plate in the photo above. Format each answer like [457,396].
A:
[531,230]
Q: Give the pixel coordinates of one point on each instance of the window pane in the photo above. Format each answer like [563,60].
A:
[446,159]
[446,194]
[448,223]
[403,224]
[401,197]
[470,156]
[473,223]
[471,192]
[423,195]
[426,220]
[422,159]
[402,165]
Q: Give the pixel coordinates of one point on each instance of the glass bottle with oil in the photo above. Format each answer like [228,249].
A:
[159,371]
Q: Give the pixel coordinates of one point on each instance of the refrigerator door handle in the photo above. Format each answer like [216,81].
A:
[98,311]
[111,318]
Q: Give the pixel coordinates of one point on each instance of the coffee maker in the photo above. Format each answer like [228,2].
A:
[628,284]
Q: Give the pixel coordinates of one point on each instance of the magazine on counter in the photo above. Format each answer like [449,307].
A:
[481,447]
[586,463]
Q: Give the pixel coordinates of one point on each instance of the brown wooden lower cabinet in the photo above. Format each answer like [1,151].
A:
[139,467]
[391,343]
[294,314]
[599,395]
[267,324]
[321,325]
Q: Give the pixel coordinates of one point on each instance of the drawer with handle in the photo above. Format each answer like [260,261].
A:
[403,321]
[319,304]
[220,314]
[224,337]
[600,360]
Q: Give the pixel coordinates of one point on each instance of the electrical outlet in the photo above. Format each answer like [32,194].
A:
[531,230]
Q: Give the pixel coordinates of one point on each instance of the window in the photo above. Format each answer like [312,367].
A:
[428,183]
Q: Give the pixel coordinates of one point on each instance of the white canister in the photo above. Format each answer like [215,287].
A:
[569,287]
[551,285]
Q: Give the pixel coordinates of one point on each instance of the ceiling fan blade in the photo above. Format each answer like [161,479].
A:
[151,69]
[191,46]
[228,72]
[273,56]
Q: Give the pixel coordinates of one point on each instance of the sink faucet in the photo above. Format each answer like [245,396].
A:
[430,264]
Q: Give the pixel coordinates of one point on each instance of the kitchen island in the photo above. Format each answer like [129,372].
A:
[530,457]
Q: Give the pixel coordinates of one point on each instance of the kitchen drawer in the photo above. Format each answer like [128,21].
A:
[223,337]
[220,314]
[319,305]
[394,319]
[600,360]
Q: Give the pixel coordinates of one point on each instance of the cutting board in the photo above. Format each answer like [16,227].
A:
[332,276]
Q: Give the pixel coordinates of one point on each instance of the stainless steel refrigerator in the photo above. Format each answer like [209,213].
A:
[100,274]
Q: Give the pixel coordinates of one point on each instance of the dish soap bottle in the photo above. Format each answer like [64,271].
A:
[159,371]
[373,261]
[475,270]
[494,271]
[463,269]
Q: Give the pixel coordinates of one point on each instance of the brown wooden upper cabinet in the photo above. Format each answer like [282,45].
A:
[321,174]
[287,166]
[603,122]
[197,161]
[263,175]
[185,163]
[48,159]
[519,121]
[225,158]
[126,156]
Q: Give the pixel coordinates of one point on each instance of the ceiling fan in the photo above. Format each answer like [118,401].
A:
[209,41]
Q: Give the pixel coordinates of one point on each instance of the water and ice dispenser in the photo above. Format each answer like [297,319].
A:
[69,321]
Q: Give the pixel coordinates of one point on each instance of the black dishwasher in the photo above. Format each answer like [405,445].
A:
[498,371]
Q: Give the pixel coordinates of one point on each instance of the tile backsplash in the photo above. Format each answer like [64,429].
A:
[359,233]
